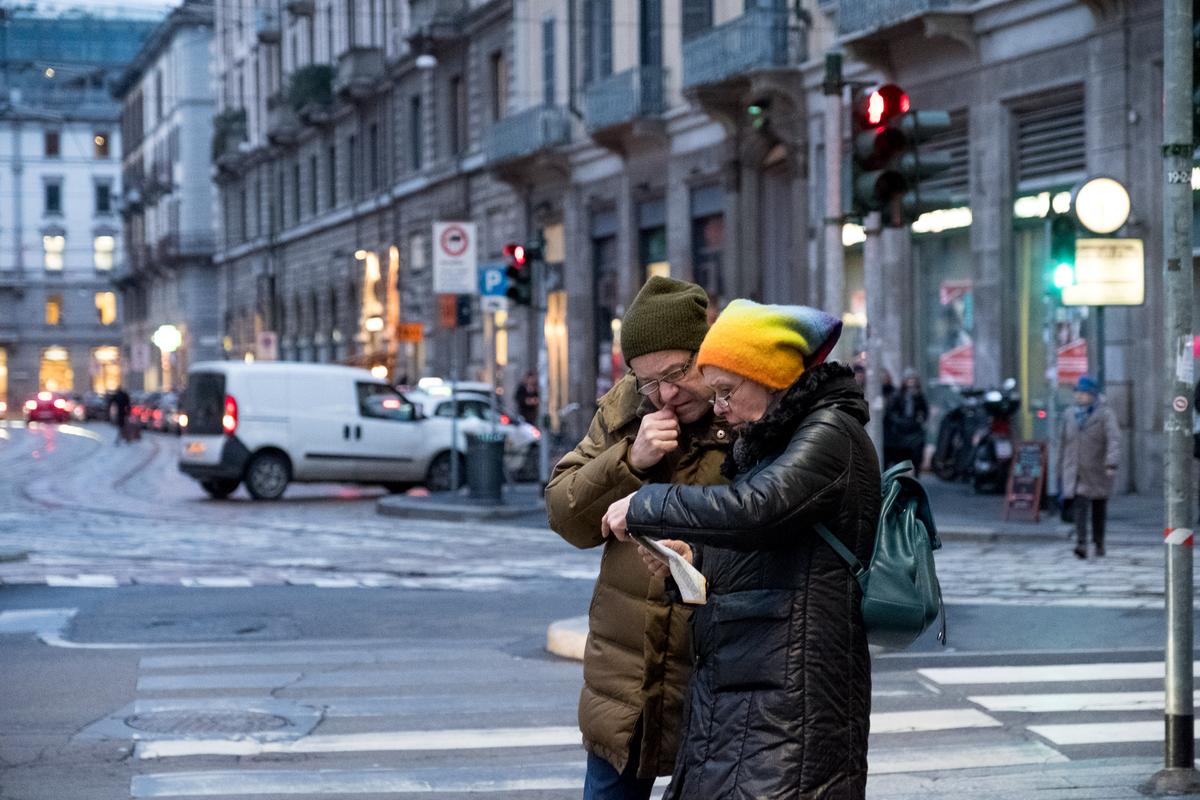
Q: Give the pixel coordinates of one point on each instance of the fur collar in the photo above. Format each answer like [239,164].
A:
[830,384]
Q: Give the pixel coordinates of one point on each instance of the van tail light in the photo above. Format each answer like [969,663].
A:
[229,420]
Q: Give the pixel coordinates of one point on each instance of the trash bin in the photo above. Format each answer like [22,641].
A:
[485,465]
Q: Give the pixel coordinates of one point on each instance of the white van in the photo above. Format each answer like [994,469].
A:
[270,423]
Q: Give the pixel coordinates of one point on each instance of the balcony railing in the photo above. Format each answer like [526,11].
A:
[266,25]
[525,133]
[186,245]
[626,96]
[283,125]
[861,17]
[758,39]
[359,71]
[301,8]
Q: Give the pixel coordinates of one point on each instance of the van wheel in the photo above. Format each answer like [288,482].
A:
[267,476]
[438,479]
[219,488]
[397,487]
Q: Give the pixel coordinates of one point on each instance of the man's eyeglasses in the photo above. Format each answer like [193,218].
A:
[722,400]
[650,388]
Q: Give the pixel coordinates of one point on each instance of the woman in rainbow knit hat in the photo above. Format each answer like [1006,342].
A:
[780,699]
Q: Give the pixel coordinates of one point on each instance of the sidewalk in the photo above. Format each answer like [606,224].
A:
[962,514]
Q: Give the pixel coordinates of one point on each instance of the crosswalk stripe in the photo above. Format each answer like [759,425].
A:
[217,582]
[1101,732]
[396,741]
[82,581]
[1053,673]
[489,738]
[1078,701]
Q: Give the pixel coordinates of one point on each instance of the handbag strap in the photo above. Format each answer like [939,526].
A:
[856,568]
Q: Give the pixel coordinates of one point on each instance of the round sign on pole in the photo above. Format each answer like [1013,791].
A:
[1180,404]
[1102,205]
[454,240]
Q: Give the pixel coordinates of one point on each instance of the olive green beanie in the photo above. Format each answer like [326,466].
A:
[666,315]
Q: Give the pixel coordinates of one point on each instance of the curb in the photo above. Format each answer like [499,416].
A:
[567,638]
[453,509]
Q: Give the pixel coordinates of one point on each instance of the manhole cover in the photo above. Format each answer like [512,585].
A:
[206,722]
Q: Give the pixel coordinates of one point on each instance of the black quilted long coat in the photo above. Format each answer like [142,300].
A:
[780,698]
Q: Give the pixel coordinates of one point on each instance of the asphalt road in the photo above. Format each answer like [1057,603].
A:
[158,644]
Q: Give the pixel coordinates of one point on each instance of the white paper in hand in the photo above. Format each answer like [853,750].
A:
[693,587]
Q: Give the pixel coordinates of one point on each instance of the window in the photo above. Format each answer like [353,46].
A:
[55,374]
[158,96]
[350,27]
[548,61]
[106,369]
[296,191]
[467,409]
[697,17]
[458,109]
[51,144]
[379,401]
[100,142]
[597,37]
[352,164]
[333,176]
[499,77]
[54,309]
[244,213]
[103,198]
[414,131]
[52,252]
[312,189]
[102,252]
[106,307]
[53,197]
[373,155]
[650,33]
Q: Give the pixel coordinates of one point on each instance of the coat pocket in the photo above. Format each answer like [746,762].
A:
[752,639]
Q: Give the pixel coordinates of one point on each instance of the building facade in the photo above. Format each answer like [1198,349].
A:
[168,281]
[60,234]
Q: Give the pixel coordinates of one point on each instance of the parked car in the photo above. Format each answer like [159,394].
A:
[268,424]
[48,407]
[92,406]
[475,413]
[164,414]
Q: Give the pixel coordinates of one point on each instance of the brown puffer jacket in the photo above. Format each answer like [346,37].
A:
[637,659]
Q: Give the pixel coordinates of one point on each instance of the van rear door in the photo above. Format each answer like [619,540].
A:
[204,404]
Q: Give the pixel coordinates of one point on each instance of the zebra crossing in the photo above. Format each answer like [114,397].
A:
[444,718]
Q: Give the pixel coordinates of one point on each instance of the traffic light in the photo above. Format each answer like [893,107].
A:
[462,310]
[887,163]
[520,274]
[759,113]
[1062,254]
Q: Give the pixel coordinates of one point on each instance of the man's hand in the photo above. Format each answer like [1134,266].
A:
[657,435]
[613,520]
[657,568]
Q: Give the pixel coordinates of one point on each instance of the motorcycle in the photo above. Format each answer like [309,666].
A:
[953,453]
[993,442]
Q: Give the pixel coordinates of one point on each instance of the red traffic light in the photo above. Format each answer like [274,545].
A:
[885,103]
[516,252]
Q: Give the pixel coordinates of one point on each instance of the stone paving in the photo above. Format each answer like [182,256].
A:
[92,513]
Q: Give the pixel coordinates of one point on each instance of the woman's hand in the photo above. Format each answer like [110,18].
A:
[613,520]
[657,568]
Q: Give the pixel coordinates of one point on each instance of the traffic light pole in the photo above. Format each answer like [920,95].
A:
[835,266]
[873,283]
[1179,774]
[543,361]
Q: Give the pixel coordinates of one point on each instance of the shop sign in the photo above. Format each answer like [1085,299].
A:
[1108,272]
[957,367]
[1072,362]
[410,332]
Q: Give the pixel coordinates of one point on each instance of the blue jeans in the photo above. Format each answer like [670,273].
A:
[603,782]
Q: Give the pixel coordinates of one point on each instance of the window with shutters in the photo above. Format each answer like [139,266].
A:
[598,39]
[956,180]
[548,61]
[697,17]
[1051,148]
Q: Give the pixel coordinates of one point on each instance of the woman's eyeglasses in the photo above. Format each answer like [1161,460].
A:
[722,400]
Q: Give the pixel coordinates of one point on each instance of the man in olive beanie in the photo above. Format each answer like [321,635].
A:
[654,425]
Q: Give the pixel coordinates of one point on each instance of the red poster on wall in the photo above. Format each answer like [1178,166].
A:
[1072,362]
[957,367]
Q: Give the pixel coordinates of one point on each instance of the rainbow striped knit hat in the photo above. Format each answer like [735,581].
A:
[769,344]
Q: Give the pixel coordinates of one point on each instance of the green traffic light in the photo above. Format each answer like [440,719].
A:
[1064,276]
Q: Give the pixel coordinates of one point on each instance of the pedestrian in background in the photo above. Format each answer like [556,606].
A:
[529,398]
[1089,452]
[779,705]
[655,424]
[904,423]
[118,412]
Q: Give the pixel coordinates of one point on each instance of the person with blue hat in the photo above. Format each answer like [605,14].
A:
[1089,452]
